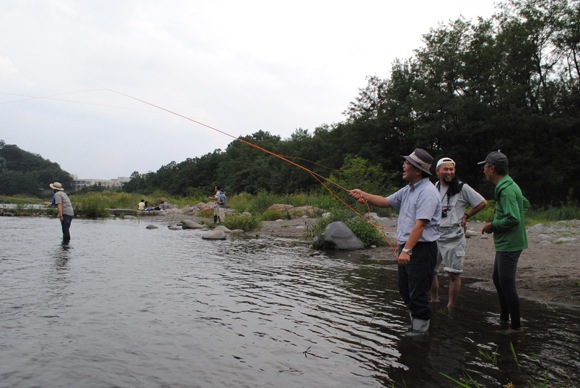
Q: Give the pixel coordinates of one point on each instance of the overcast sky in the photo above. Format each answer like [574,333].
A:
[239,66]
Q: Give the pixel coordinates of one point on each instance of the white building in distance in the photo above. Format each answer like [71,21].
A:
[109,183]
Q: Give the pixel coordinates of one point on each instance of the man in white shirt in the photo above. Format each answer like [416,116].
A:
[455,196]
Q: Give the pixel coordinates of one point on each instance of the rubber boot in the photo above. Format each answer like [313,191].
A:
[219,220]
[215,219]
[419,327]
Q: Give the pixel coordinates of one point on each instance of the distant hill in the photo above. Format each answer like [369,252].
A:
[25,173]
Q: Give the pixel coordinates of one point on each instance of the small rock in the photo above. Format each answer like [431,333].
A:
[188,224]
[563,240]
[214,235]
[281,207]
[221,227]
[470,233]
[150,227]
[538,228]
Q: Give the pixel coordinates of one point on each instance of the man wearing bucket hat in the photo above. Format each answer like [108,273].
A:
[455,196]
[417,234]
[65,209]
[509,235]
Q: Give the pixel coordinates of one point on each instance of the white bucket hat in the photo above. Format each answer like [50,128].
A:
[56,186]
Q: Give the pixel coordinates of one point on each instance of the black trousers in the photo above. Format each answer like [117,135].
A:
[504,279]
[65,223]
[416,277]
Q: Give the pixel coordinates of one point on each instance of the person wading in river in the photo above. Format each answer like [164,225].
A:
[456,196]
[417,234]
[509,236]
[65,209]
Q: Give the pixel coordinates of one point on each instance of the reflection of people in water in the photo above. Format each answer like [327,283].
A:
[62,255]
[417,355]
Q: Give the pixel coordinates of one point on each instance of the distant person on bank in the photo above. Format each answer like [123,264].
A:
[141,205]
[222,203]
[216,211]
[509,236]
[64,207]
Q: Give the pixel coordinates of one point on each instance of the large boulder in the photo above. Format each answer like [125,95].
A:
[338,236]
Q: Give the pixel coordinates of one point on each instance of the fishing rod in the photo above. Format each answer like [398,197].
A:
[318,177]
[321,179]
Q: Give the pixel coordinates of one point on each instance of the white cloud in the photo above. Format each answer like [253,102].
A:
[237,66]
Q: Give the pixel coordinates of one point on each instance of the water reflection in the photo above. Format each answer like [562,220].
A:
[124,306]
[62,254]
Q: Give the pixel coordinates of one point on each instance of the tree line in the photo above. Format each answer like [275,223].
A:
[22,172]
[507,82]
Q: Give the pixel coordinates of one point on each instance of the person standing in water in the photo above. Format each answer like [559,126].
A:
[64,207]
[456,196]
[509,236]
[417,234]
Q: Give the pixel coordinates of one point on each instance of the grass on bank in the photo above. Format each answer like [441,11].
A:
[96,205]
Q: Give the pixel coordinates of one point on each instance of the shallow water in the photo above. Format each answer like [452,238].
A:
[123,306]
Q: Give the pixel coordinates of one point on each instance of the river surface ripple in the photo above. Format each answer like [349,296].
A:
[124,306]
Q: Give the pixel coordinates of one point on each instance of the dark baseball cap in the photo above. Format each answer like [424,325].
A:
[496,158]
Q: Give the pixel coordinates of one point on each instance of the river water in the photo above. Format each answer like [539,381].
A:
[124,306]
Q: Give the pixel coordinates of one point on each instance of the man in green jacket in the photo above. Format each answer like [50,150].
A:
[509,236]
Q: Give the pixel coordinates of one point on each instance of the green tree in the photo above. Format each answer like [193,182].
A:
[22,172]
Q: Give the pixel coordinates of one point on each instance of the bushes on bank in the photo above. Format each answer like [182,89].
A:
[244,222]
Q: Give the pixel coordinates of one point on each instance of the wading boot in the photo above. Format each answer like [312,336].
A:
[215,219]
[419,327]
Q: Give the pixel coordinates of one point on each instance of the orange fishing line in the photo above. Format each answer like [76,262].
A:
[315,175]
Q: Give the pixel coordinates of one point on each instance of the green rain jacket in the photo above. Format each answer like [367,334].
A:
[509,228]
